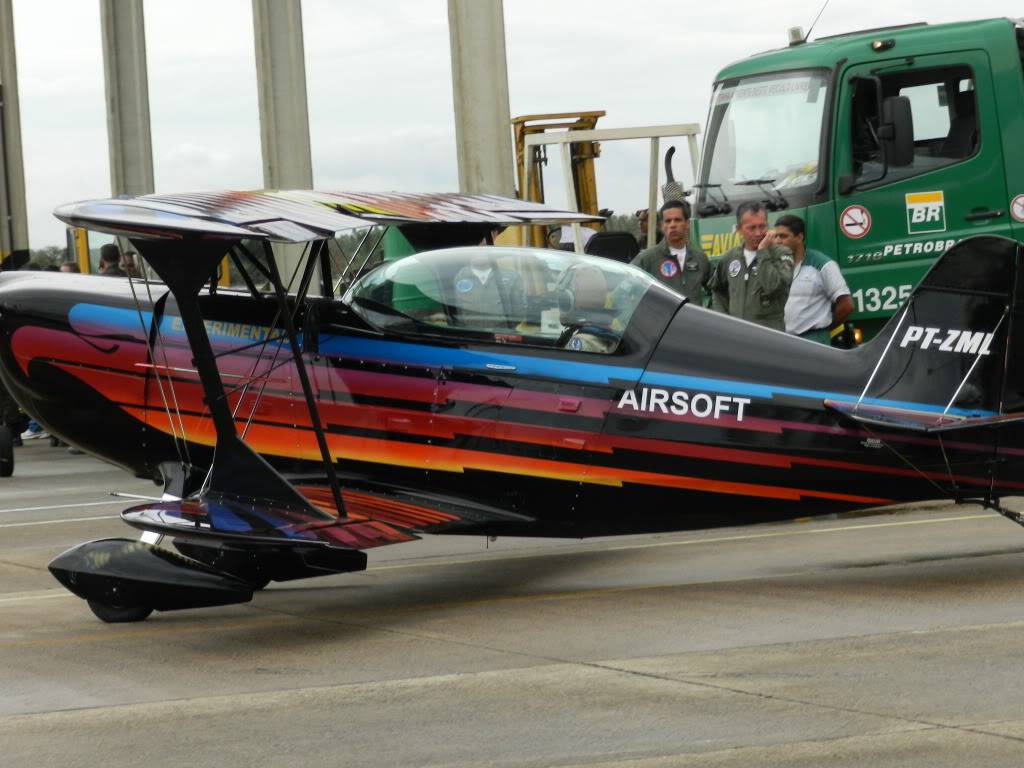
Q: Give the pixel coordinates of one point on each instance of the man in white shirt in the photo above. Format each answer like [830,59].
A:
[819,298]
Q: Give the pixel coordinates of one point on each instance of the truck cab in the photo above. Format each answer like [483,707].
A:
[892,144]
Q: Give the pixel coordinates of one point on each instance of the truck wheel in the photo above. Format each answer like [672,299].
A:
[6,451]
[118,614]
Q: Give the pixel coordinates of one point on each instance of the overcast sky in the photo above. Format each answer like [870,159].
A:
[379,85]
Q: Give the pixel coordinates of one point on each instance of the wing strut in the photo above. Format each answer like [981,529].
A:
[237,469]
[300,366]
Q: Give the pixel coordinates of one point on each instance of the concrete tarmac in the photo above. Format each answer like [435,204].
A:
[884,640]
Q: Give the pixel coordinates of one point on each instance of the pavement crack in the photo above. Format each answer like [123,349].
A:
[928,724]
[605,667]
[33,568]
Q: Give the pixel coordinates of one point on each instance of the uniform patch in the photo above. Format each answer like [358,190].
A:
[669,268]
[465,285]
[575,344]
[734,268]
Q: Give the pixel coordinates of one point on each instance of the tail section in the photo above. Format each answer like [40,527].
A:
[953,351]
[952,357]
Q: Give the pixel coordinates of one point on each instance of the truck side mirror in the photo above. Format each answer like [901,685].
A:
[897,131]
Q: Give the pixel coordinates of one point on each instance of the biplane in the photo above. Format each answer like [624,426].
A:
[311,414]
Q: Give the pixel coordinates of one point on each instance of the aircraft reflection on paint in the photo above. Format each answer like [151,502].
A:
[475,390]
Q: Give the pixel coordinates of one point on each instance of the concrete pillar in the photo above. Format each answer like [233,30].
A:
[480,91]
[13,210]
[127,88]
[281,82]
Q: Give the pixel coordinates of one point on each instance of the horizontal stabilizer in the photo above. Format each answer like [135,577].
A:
[917,421]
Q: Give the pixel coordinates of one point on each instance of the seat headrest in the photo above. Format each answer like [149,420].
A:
[589,287]
[964,103]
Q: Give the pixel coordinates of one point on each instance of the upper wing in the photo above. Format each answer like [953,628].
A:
[298,215]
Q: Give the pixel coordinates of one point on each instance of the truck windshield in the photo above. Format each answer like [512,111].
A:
[764,136]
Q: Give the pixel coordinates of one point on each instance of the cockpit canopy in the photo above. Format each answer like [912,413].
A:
[521,295]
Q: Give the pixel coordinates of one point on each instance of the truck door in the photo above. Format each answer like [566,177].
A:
[898,207]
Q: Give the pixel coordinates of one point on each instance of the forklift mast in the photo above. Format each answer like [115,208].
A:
[530,162]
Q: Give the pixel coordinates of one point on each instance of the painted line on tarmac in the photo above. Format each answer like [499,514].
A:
[248,623]
[62,506]
[27,596]
[104,634]
[692,542]
[60,522]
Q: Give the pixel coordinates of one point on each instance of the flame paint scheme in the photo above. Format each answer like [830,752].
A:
[689,419]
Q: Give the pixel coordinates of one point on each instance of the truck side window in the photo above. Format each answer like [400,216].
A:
[944,114]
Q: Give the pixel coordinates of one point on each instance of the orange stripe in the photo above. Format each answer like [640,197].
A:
[261,438]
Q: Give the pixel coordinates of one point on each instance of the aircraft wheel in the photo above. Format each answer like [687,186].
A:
[118,614]
[54,442]
[6,451]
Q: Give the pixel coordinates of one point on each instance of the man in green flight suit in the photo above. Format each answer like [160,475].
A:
[752,280]
[674,260]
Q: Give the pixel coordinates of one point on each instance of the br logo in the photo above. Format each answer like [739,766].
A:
[926,212]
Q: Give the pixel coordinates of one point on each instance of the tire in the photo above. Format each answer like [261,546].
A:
[6,451]
[118,614]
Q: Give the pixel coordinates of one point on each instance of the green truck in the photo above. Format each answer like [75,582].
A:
[892,144]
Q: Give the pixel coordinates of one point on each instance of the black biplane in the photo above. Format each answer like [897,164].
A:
[296,423]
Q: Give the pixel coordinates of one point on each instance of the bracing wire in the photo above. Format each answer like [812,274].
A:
[159,381]
[170,380]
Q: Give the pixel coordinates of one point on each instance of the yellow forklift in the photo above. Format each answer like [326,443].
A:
[530,180]
[579,141]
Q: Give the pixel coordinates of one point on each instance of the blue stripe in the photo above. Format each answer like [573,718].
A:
[112,319]
[467,359]
[121,320]
[769,391]
[125,321]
